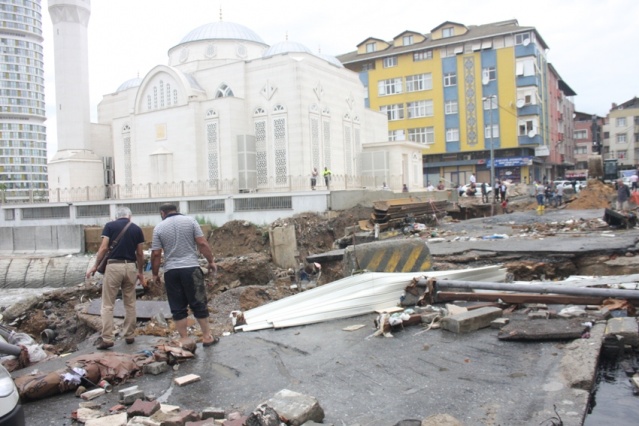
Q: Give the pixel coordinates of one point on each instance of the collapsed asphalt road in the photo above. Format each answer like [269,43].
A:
[378,381]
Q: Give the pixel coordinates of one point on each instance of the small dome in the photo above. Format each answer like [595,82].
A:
[284,47]
[331,60]
[129,84]
[222,30]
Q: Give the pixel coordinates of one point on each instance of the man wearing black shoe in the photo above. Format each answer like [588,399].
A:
[125,264]
[181,237]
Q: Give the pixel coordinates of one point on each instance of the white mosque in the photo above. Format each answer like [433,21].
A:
[228,111]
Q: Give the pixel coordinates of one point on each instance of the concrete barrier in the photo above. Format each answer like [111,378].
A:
[46,239]
[410,255]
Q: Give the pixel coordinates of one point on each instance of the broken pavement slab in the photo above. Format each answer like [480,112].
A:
[543,329]
[114,420]
[144,309]
[296,407]
[625,328]
[466,322]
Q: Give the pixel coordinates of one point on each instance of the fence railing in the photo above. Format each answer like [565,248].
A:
[196,189]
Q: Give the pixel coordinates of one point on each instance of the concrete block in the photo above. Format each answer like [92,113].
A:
[131,397]
[46,238]
[156,368]
[466,322]
[175,418]
[6,239]
[213,413]
[142,421]
[185,380]
[626,328]
[143,408]
[538,315]
[296,407]
[114,420]
[208,422]
[24,239]
[92,394]
[283,246]
[499,322]
[124,391]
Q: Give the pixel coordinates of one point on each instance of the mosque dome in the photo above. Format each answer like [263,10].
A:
[129,84]
[331,60]
[284,47]
[222,30]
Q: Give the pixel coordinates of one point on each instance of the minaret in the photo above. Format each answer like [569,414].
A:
[74,164]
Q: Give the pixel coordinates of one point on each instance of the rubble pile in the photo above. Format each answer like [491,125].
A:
[394,213]
[596,195]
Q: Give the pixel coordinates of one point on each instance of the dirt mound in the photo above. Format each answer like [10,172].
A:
[237,238]
[597,195]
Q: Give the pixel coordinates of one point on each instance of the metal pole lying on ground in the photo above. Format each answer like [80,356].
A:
[536,288]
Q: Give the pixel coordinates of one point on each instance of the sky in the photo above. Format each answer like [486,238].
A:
[592,43]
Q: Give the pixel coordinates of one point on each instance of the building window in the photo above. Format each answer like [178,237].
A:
[422,55]
[527,126]
[583,149]
[621,138]
[448,32]
[390,61]
[450,79]
[525,67]
[419,82]
[391,86]
[396,135]
[370,47]
[420,109]
[620,122]
[490,102]
[368,66]
[407,40]
[394,112]
[452,134]
[450,107]
[495,131]
[424,135]
[224,91]
[489,74]
[521,38]
[622,154]
[581,134]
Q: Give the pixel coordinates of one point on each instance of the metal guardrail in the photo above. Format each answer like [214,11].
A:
[195,189]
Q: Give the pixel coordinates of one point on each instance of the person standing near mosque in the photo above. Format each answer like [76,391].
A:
[180,237]
[124,266]
[314,174]
[327,177]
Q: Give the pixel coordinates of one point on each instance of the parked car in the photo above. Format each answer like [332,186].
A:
[567,184]
[462,189]
[11,412]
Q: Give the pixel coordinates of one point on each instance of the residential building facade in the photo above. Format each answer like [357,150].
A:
[588,137]
[621,134]
[23,144]
[464,91]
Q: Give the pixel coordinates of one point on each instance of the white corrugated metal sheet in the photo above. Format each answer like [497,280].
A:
[351,296]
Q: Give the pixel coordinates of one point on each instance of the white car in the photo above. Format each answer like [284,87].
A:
[11,412]
[462,189]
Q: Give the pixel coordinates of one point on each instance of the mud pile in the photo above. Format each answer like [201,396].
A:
[597,195]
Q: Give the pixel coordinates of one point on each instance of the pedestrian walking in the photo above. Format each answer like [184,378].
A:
[122,241]
[180,238]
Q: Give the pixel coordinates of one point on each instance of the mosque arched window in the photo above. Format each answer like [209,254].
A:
[224,91]
[279,108]
[259,111]
[168,94]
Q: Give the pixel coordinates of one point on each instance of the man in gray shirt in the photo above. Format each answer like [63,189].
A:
[181,237]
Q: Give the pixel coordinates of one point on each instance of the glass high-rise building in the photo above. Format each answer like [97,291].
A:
[23,146]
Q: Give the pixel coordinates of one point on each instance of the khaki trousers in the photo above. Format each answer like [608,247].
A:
[118,276]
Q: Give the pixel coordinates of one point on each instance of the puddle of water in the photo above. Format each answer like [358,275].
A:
[613,400]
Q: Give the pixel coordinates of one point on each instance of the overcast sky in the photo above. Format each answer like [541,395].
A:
[592,43]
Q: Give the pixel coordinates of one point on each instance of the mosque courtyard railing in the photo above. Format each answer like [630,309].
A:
[209,188]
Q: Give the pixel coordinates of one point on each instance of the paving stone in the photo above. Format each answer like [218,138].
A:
[185,380]
[84,414]
[625,327]
[143,408]
[156,368]
[93,394]
[142,421]
[207,422]
[296,407]
[538,315]
[235,422]
[213,413]
[131,397]
[175,418]
[466,322]
[499,322]
[121,392]
[114,420]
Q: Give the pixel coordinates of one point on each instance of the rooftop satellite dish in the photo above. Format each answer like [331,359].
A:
[526,42]
[484,80]
[520,103]
[532,133]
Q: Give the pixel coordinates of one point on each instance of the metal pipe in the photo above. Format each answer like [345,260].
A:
[538,288]
[9,349]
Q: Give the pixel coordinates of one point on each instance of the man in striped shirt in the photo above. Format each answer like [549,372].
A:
[180,237]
